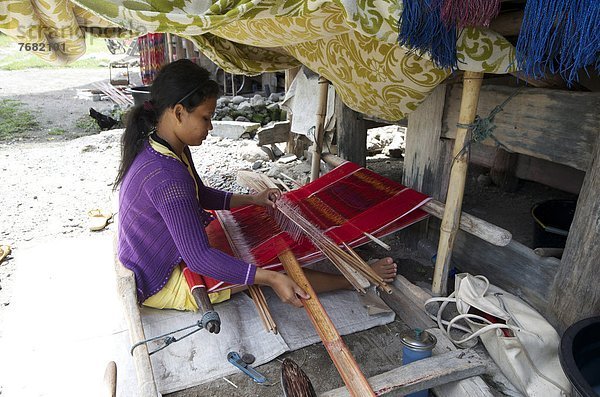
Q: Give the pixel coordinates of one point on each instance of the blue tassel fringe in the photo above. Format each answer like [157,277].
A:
[423,31]
[559,36]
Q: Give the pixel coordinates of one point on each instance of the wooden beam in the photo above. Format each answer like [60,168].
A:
[423,374]
[110,380]
[427,155]
[413,315]
[575,294]
[504,170]
[514,268]
[554,125]
[458,175]
[317,147]
[336,347]
[551,174]
[351,133]
[141,358]
[508,23]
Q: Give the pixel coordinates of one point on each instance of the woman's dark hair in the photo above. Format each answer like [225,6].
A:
[182,82]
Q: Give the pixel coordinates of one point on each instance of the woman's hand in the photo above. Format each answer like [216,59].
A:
[267,197]
[287,290]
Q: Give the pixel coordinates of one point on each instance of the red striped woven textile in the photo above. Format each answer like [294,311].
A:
[343,204]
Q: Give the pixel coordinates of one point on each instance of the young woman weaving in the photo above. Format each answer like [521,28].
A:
[163,202]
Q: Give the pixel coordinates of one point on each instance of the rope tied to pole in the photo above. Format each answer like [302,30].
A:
[483,127]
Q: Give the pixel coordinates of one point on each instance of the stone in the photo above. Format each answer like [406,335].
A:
[257,100]
[238,99]
[288,158]
[274,97]
[242,119]
[233,129]
[274,172]
[252,153]
[257,164]
[244,106]
[223,101]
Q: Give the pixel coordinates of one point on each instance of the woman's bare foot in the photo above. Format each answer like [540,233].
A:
[385,268]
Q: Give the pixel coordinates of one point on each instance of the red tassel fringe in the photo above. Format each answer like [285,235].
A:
[469,13]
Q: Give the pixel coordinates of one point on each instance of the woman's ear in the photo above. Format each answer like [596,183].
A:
[178,110]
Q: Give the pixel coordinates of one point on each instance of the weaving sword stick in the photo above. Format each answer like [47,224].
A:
[336,347]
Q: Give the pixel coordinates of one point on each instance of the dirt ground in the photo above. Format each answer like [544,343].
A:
[50,182]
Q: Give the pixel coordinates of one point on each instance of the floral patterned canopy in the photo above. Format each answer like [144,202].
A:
[351,43]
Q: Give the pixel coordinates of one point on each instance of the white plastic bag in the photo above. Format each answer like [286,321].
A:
[521,342]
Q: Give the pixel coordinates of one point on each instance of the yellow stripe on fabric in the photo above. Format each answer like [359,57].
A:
[176,295]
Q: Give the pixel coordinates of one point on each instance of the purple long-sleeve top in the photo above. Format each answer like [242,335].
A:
[162,220]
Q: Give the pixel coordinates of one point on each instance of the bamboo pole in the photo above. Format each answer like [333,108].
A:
[468,223]
[317,147]
[336,347]
[458,175]
[170,47]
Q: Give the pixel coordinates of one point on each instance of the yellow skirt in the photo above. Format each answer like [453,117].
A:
[176,294]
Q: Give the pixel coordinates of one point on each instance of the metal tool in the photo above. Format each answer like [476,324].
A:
[210,318]
[235,359]
[210,321]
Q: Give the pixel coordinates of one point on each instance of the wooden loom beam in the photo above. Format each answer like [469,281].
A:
[458,176]
[343,360]
[469,223]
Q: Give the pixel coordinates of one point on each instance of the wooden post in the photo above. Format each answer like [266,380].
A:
[290,75]
[179,51]
[504,170]
[189,49]
[317,147]
[351,133]
[575,294]
[336,347]
[458,175]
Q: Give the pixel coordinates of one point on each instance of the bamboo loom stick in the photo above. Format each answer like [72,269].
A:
[478,227]
[336,347]
[263,309]
[317,147]
[286,187]
[458,175]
